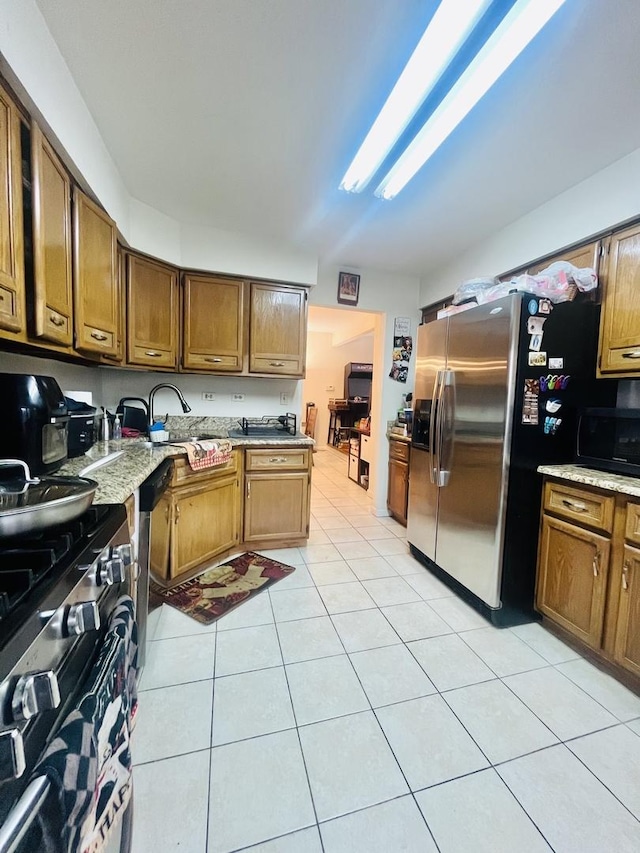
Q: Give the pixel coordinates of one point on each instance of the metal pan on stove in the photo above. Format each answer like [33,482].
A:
[31,504]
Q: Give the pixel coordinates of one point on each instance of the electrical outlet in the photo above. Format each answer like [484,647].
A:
[237,398]
[209,396]
[284,398]
[330,388]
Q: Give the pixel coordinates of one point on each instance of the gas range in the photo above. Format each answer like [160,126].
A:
[57,591]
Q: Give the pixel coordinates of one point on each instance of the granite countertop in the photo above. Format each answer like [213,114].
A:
[592,477]
[119,478]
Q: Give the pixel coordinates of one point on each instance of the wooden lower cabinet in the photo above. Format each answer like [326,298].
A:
[572,578]
[196,519]
[588,582]
[276,498]
[398,486]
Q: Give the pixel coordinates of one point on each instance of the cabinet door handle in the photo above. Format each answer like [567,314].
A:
[99,336]
[248,489]
[57,321]
[625,573]
[277,459]
[596,564]
[276,363]
[634,354]
[177,513]
[214,360]
[153,353]
[578,507]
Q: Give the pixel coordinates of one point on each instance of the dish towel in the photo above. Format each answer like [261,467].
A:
[88,763]
[207,454]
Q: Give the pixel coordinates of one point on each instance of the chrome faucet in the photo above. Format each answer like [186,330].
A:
[185,406]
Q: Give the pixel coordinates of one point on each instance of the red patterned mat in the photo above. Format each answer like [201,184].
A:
[220,589]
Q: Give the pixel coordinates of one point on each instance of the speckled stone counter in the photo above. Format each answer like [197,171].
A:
[591,477]
[120,477]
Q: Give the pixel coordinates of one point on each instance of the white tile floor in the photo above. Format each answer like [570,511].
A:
[358,706]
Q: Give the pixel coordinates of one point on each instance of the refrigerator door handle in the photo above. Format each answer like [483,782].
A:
[433,422]
[445,426]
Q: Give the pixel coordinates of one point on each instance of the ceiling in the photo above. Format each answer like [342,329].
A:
[244,115]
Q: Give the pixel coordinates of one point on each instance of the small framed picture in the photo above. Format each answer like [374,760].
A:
[348,288]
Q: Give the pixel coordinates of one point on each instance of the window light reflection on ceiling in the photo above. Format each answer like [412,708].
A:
[449,28]
[521,24]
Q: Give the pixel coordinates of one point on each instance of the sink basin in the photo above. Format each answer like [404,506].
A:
[204,436]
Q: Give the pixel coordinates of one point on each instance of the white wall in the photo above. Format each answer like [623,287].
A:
[597,203]
[325,366]
[70,377]
[32,62]
[388,295]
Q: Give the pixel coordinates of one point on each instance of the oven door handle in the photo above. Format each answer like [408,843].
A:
[22,815]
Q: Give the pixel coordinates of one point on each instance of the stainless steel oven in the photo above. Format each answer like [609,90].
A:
[58,590]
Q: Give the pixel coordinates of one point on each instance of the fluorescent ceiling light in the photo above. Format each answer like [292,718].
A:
[449,28]
[524,20]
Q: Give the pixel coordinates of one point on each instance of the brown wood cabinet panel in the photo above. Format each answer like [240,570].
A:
[12,288]
[584,256]
[572,578]
[160,545]
[277,458]
[398,490]
[205,523]
[620,322]
[632,526]
[278,329]
[51,200]
[183,474]
[584,506]
[276,506]
[399,450]
[627,647]
[96,286]
[213,324]
[153,318]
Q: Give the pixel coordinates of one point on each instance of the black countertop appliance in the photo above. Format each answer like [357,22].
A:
[35,421]
[358,377]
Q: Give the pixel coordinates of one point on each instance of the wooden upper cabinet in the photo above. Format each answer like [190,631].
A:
[52,281]
[213,324]
[96,284]
[278,329]
[12,290]
[620,322]
[584,256]
[152,314]
[572,578]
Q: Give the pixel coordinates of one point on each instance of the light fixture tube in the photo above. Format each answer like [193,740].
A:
[449,28]
[524,20]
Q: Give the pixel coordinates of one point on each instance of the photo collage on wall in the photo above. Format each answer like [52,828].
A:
[402,347]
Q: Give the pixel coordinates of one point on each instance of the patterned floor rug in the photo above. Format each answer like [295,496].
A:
[220,589]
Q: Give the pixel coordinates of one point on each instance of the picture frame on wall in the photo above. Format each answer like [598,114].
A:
[348,288]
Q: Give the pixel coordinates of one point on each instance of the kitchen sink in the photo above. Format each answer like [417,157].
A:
[204,436]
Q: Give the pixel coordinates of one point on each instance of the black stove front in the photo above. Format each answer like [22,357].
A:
[57,591]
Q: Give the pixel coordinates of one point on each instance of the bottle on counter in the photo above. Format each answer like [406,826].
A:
[105,426]
[117,427]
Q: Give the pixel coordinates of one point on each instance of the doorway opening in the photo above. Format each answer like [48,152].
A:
[336,339]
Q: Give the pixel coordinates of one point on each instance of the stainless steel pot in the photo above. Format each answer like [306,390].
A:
[31,504]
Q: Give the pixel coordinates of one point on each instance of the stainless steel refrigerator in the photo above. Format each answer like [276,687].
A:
[496,394]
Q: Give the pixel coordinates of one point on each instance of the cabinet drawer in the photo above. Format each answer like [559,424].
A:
[57,327]
[365,448]
[590,508]
[96,340]
[277,458]
[286,366]
[632,530]
[399,450]
[183,474]
[208,361]
[154,357]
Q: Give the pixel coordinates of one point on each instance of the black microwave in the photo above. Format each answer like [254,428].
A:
[609,439]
